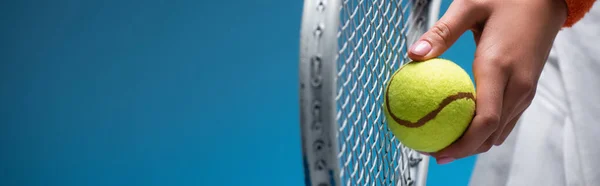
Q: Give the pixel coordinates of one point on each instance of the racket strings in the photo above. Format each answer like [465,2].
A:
[373,40]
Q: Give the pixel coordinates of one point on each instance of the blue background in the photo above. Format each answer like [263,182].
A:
[158,92]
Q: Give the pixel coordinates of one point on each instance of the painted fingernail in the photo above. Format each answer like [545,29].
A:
[421,48]
[444,160]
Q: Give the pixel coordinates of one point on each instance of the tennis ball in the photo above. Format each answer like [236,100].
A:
[429,104]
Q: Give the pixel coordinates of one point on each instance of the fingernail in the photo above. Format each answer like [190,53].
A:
[421,48]
[444,160]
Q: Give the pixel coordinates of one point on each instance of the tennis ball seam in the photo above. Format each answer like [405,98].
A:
[429,116]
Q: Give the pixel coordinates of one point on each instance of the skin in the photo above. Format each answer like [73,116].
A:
[513,39]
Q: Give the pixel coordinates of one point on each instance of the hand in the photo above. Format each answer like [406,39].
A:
[513,39]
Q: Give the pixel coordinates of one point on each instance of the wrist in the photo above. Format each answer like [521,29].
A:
[561,8]
[554,13]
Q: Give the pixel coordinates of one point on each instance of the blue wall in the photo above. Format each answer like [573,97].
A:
[156,92]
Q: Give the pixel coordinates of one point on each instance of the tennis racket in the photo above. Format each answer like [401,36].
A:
[348,51]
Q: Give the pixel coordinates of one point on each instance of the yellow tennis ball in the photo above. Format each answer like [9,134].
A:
[429,104]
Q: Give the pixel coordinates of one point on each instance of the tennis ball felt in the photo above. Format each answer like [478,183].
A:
[429,104]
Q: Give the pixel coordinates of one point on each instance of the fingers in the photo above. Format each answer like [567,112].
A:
[498,100]
[490,90]
[508,129]
[512,44]
[517,97]
[502,135]
[520,62]
[512,99]
[459,18]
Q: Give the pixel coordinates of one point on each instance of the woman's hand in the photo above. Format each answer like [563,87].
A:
[513,39]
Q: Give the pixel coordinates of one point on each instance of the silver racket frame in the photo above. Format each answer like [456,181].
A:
[317,70]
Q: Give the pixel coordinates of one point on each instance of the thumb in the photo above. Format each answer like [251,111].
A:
[458,19]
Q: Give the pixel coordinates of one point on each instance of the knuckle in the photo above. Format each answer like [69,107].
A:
[499,142]
[490,121]
[487,146]
[529,98]
[501,61]
[532,92]
[475,5]
[441,32]
[525,86]
[493,58]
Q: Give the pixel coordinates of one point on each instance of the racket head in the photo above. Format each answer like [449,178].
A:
[348,51]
